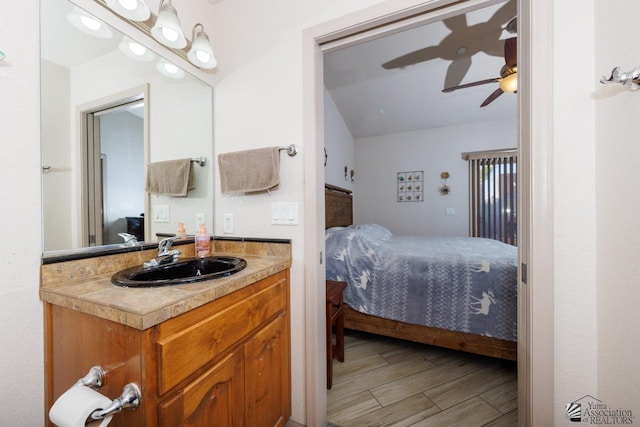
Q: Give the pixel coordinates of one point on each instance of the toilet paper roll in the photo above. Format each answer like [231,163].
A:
[76,404]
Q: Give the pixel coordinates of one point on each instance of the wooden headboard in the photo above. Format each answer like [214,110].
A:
[338,206]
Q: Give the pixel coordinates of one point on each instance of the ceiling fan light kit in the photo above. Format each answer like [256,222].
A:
[508,80]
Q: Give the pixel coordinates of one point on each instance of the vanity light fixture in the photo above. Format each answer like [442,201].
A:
[135,50]
[168,69]
[201,52]
[88,24]
[135,10]
[167,29]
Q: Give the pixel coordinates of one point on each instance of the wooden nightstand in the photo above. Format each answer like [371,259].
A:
[335,317]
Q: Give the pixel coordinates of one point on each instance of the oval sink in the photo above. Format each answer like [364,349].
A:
[187,270]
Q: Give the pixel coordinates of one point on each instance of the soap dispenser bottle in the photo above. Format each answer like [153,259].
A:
[203,242]
[181,232]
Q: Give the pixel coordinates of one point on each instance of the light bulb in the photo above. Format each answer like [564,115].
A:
[172,69]
[90,23]
[203,56]
[169,34]
[129,4]
[509,84]
[137,48]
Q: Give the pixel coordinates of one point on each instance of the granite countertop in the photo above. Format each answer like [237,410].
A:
[141,308]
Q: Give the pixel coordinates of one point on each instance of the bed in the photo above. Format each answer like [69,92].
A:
[458,293]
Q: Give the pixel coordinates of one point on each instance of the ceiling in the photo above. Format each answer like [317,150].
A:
[406,93]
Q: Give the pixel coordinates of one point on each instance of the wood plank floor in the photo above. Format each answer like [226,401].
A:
[388,382]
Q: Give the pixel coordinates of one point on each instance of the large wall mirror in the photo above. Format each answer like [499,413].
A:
[109,107]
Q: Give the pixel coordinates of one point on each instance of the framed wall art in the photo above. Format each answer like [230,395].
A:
[410,186]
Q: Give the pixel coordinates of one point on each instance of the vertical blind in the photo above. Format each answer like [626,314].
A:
[493,194]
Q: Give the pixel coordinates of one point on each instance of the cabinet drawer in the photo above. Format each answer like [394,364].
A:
[181,354]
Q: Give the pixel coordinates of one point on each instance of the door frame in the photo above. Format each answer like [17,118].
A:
[535,128]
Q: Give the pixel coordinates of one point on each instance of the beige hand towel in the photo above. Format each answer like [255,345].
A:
[250,170]
[170,178]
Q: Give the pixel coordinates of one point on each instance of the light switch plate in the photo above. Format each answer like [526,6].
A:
[284,213]
[161,213]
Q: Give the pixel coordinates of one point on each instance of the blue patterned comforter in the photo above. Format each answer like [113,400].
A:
[464,284]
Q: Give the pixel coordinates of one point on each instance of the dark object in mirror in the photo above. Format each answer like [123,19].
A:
[135,226]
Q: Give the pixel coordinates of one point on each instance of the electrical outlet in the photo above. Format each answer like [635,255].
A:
[227,226]
[200,219]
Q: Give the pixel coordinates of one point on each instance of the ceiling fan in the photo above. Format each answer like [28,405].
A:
[508,80]
[468,35]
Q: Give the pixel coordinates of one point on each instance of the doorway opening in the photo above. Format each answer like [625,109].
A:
[535,391]
[114,153]
[391,95]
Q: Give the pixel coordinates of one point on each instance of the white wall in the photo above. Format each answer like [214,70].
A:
[339,145]
[258,103]
[576,324]
[21,359]
[617,154]
[380,158]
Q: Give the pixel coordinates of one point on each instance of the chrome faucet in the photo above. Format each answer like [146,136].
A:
[129,239]
[165,256]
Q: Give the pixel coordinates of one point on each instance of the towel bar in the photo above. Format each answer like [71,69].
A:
[201,160]
[291,150]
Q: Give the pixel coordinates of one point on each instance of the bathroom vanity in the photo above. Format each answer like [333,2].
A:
[213,350]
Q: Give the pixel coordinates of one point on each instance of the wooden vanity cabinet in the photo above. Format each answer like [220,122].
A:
[226,363]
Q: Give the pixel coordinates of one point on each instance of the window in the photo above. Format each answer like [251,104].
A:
[493,194]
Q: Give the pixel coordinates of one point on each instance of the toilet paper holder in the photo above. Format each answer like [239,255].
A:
[129,399]
[93,378]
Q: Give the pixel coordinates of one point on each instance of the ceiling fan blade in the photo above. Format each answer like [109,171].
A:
[466,85]
[496,93]
[415,57]
[504,14]
[512,26]
[456,71]
[511,52]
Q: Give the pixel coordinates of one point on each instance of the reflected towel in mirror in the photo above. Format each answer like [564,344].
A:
[250,170]
[170,178]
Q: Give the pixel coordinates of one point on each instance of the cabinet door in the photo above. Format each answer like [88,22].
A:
[216,398]
[267,378]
